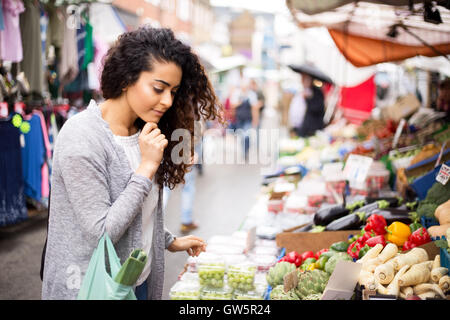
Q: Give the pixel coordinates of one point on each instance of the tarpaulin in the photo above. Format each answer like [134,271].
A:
[357,102]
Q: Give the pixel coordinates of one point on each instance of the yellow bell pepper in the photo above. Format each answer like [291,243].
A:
[397,233]
[311,267]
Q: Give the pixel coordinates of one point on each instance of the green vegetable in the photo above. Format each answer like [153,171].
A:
[363,251]
[276,273]
[415,226]
[322,261]
[328,254]
[436,195]
[317,229]
[331,263]
[383,204]
[278,293]
[311,282]
[340,246]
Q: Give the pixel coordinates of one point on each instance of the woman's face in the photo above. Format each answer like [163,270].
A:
[153,93]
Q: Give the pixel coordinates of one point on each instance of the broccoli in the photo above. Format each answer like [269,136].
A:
[436,195]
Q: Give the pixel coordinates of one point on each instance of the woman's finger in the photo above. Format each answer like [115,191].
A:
[148,127]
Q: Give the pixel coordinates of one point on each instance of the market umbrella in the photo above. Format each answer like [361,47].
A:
[312,71]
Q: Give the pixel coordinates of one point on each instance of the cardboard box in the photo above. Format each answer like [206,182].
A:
[403,107]
[309,241]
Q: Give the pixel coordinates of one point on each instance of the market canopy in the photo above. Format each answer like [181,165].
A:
[369,32]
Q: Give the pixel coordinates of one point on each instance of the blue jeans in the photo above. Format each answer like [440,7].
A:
[141,291]
[188,195]
[245,126]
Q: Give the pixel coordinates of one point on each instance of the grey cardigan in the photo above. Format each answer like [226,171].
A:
[93,191]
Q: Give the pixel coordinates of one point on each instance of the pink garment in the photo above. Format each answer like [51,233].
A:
[10,38]
[45,183]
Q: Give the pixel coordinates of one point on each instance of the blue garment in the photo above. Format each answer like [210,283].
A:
[2,23]
[141,291]
[12,200]
[33,157]
[187,196]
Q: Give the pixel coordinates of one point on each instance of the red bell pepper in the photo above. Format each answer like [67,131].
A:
[372,242]
[419,237]
[353,249]
[318,253]
[308,254]
[366,235]
[293,257]
[408,245]
[376,223]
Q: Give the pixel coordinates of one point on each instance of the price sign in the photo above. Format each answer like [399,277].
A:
[290,280]
[356,169]
[443,175]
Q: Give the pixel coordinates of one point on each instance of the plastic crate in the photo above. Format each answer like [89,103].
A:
[422,184]
[428,222]
[445,257]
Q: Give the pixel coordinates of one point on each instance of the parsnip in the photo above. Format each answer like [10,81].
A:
[438,231]
[438,273]
[419,273]
[436,262]
[428,294]
[385,273]
[372,253]
[416,255]
[394,286]
[444,283]
[382,289]
[425,287]
[407,291]
[367,279]
[371,264]
[389,251]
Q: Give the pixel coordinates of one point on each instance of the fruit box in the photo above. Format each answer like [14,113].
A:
[309,241]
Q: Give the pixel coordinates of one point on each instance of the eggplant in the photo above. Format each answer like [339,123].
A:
[393,201]
[352,221]
[393,215]
[326,215]
[306,228]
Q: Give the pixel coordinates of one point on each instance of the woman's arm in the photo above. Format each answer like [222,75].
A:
[88,187]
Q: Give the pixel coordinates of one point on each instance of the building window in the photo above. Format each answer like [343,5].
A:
[184,10]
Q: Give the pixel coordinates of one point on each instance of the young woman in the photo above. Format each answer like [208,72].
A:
[112,160]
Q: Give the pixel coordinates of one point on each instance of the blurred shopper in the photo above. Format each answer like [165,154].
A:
[243,101]
[258,106]
[315,108]
[443,101]
[112,160]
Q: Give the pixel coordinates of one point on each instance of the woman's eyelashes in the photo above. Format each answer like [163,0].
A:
[159,91]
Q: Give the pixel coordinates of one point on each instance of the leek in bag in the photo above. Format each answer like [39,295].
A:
[99,284]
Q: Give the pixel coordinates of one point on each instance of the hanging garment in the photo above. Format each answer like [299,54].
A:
[2,23]
[32,46]
[357,102]
[68,68]
[45,173]
[89,49]
[12,200]
[10,37]
[33,158]
[44,25]
[56,22]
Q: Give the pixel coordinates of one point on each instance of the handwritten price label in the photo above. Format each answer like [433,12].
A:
[443,175]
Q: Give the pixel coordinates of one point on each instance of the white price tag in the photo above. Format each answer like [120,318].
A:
[443,175]
[356,168]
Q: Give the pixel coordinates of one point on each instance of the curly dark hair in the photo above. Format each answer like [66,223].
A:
[135,52]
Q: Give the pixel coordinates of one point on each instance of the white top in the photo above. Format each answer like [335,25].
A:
[297,110]
[130,145]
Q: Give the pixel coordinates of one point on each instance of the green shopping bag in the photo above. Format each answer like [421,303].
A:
[98,284]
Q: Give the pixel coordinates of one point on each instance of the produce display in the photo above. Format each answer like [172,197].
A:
[214,293]
[185,290]
[277,272]
[211,270]
[241,276]
[248,295]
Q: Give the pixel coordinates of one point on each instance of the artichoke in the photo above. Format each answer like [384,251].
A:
[314,296]
[331,263]
[278,293]
[276,273]
[311,282]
